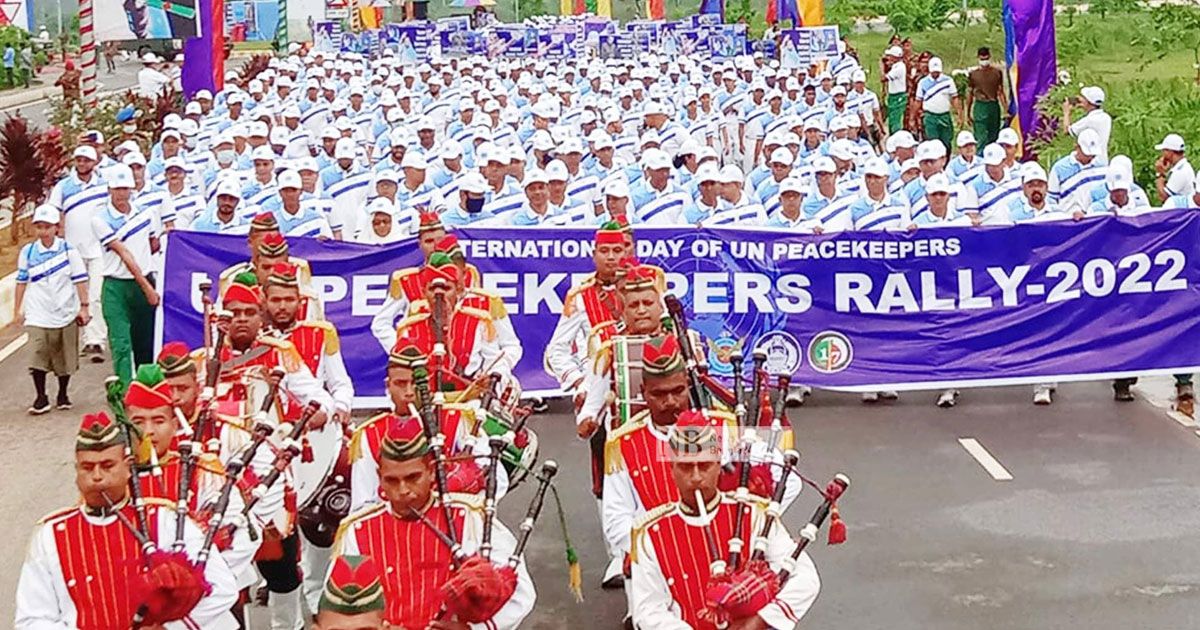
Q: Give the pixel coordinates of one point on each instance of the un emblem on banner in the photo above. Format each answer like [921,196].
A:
[830,352]
[783,352]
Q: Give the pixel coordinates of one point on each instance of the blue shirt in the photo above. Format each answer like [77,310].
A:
[10,57]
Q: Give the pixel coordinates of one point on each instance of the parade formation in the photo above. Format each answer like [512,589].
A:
[242,466]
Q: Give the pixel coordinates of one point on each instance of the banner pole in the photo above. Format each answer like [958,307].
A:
[281,29]
[87,56]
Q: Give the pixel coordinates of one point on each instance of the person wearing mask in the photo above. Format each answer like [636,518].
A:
[471,199]
[985,98]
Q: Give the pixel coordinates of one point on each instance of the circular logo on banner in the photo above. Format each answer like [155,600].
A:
[783,352]
[830,352]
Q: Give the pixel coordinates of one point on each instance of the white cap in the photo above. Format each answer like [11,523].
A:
[176,162]
[535,176]
[263,152]
[993,155]
[306,163]
[1032,172]
[171,133]
[823,165]
[387,175]
[228,186]
[617,187]
[653,107]
[1092,94]
[965,138]
[1089,142]
[451,150]
[473,183]
[731,174]
[192,109]
[935,64]
[894,51]
[815,123]
[910,164]
[708,173]
[413,159]
[838,123]
[571,144]
[132,158]
[556,171]
[791,184]
[842,149]
[902,139]
[930,150]
[425,123]
[46,213]
[381,205]
[345,150]
[119,176]
[514,154]
[1117,179]
[657,158]
[257,129]
[939,183]
[289,179]
[1008,137]
[1173,142]
[85,151]
[838,91]
[782,155]
[877,167]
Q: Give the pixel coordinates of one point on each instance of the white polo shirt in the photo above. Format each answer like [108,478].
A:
[49,275]
[134,230]
[897,79]
[1180,179]
[935,94]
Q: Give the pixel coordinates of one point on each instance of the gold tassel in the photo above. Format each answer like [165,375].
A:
[496,307]
[613,461]
[145,451]
[575,576]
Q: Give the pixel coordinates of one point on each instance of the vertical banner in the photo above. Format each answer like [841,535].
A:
[204,56]
[1031,56]
[802,47]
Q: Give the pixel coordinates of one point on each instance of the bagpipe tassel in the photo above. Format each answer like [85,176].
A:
[574,570]
[837,527]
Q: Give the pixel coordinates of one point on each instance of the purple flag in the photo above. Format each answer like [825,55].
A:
[1031,56]
[715,7]
[203,57]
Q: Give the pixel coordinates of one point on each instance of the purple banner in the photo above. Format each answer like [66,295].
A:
[1099,298]
[1032,58]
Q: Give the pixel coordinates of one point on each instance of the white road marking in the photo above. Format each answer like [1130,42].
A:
[985,459]
[1182,418]
[13,346]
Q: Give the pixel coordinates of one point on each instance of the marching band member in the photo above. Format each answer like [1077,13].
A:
[368,435]
[353,596]
[672,564]
[85,563]
[415,560]
[150,405]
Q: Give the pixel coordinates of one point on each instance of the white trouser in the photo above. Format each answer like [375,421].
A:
[314,562]
[96,332]
[285,611]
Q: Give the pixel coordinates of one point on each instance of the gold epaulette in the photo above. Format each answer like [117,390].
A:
[569,300]
[641,524]
[353,518]
[409,320]
[332,343]
[613,460]
[396,286]
[289,357]
[211,463]
[473,276]
[356,436]
[467,409]
[496,308]
[602,357]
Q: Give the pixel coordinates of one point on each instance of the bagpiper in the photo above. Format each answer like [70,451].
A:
[353,596]
[269,247]
[405,536]
[456,423]
[88,564]
[681,574]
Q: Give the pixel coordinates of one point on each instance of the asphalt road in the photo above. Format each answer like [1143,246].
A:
[1096,529]
[38,113]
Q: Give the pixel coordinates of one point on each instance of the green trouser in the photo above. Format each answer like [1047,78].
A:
[896,105]
[130,321]
[987,121]
[940,127]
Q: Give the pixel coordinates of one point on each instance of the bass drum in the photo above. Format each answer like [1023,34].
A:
[319,519]
[329,447]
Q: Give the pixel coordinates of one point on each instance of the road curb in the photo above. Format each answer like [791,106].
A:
[8,297]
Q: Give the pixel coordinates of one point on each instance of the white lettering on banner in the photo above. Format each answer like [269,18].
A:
[797,298]
[707,287]
[1062,282]
[538,291]
[660,249]
[198,278]
[369,294]
[853,249]
[498,283]
[330,288]
[749,287]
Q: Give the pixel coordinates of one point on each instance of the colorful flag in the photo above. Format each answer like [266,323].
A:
[1031,56]
[656,9]
[604,8]
[800,12]
[204,56]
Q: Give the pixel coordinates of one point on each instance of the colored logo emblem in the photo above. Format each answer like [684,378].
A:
[830,352]
[784,354]
[719,352]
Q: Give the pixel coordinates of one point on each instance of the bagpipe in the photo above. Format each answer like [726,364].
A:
[170,584]
[479,587]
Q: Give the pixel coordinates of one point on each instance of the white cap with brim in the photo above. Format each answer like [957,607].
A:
[345,150]
[85,152]
[902,139]
[965,138]
[791,184]
[1008,137]
[993,155]
[1089,142]
[133,158]
[412,159]
[894,51]
[930,150]
[1092,94]
[824,165]
[654,159]
[876,167]
[119,176]
[536,176]
[939,183]
[935,64]
[1032,172]
[387,175]
[46,213]
[910,164]
[289,179]
[228,187]
[1116,179]
[782,155]
[381,205]
[1173,142]
[731,174]
[473,183]
[617,187]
